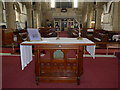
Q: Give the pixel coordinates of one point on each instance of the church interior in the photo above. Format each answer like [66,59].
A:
[74,20]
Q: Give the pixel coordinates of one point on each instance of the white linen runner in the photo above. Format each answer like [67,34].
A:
[26,55]
[91,50]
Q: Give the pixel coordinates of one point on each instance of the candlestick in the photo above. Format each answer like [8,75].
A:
[79,34]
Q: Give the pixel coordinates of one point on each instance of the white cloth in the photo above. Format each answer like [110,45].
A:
[116,37]
[26,55]
[26,50]
[91,50]
[60,41]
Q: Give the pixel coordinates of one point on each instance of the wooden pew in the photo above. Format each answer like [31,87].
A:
[99,36]
[7,37]
[47,32]
[20,36]
[73,32]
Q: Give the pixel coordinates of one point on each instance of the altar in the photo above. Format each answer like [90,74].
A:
[52,69]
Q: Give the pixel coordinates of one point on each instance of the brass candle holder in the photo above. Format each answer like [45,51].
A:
[58,37]
[79,35]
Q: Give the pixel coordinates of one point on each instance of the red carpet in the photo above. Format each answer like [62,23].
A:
[64,34]
[98,73]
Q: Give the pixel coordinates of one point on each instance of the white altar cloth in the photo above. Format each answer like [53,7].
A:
[26,50]
[116,37]
[26,55]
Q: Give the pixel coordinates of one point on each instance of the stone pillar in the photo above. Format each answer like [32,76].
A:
[92,18]
[39,19]
[1,13]
[44,13]
[35,18]
[84,14]
[88,19]
[99,11]
[10,15]
[119,17]
[116,25]
[37,15]
[89,12]
[29,14]
[1,20]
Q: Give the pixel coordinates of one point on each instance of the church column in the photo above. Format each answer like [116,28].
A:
[1,20]
[89,9]
[44,13]
[116,25]
[1,13]
[84,14]
[10,15]
[37,18]
[29,14]
[99,11]
[119,16]
[88,19]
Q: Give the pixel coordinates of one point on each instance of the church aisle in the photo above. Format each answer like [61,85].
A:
[98,73]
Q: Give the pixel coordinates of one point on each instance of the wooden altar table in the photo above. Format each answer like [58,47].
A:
[53,69]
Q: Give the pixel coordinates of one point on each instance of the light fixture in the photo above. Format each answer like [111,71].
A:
[63,10]
[92,21]
[52,3]
[75,3]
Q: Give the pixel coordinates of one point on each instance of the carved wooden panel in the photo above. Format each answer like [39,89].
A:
[63,69]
